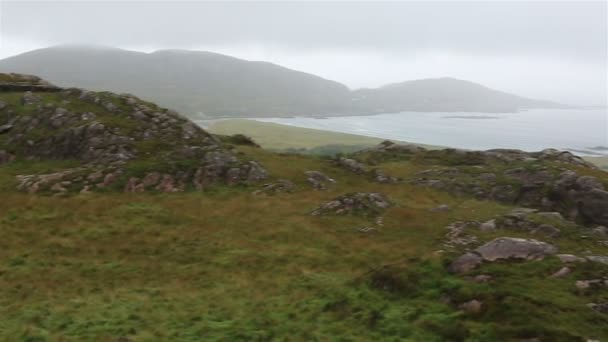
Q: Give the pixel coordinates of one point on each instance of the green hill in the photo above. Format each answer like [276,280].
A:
[203,237]
[210,85]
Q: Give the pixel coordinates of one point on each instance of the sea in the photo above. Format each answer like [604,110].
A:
[582,131]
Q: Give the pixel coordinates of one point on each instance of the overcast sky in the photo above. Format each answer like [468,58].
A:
[550,50]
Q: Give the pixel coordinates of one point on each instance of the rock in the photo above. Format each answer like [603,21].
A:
[139,115]
[188,154]
[593,206]
[586,195]
[109,106]
[586,183]
[2,105]
[564,271]
[281,186]
[5,128]
[133,185]
[379,176]
[167,184]
[6,157]
[598,231]
[569,258]
[58,187]
[189,130]
[457,236]
[472,306]
[551,215]
[351,165]
[254,172]
[318,180]
[465,263]
[482,278]
[354,203]
[233,176]
[108,179]
[601,307]
[366,230]
[35,183]
[515,248]
[602,259]
[503,193]
[151,179]
[488,226]
[30,98]
[441,208]
[547,230]
[503,248]
[589,284]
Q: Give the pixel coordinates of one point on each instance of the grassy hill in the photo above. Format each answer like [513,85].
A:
[245,259]
[601,162]
[208,85]
[282,137]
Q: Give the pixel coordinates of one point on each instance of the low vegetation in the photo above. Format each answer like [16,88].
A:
[232,263]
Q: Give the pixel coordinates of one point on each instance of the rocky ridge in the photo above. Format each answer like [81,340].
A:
[119,142]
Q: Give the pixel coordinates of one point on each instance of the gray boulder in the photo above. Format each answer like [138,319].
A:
[465,263]
[351,165]
[515,248]
[5,157]
[599,307]
[504,248]
[318,180]
[365,203]
[5,128]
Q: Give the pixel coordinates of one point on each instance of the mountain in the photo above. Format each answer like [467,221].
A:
[442,95]
[123,221]
[211,85]
[188,81]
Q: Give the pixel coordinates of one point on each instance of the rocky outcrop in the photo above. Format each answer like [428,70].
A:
[522,219]
[108,132]
[457,236]
[318,180]
[280,186]
[581,198]
[380,176]
[599,307]
[515,248]
[363,203]
[6,157]
[503,248]
[351,165]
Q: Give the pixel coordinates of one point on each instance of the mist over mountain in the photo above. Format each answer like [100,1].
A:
[211,85]
[442,95]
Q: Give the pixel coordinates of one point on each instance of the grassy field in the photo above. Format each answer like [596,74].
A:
[601,162]
[228,265]
[282,137]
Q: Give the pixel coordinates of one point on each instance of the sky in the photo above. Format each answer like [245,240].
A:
[542,49]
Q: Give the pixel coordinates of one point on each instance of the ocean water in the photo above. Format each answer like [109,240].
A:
[583,131]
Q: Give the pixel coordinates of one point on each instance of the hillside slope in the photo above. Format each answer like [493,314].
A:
[188,81]
[210,85]
[395,242]
[442,95]
[114,141]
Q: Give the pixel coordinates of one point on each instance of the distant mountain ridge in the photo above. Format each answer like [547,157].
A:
[211,85]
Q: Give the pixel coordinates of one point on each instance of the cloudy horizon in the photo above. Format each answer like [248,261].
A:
[545,50]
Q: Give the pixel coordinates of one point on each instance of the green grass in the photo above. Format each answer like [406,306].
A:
[601,162]
[232,266]
[282,137]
